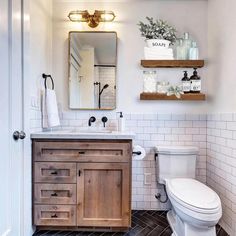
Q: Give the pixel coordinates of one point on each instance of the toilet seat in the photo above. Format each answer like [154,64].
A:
[193,195]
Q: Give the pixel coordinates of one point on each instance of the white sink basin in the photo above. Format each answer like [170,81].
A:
[92,131]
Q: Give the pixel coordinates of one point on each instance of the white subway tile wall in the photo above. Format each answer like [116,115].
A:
[107,76]
[152,130]
[221,164]
[35,115]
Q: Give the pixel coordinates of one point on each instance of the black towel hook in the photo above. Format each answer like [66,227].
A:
[45,80]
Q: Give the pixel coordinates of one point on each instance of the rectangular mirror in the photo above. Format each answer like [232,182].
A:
[92,70]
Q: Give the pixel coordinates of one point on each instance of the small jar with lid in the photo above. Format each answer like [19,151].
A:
[162,87]
[196,84]
[149,81]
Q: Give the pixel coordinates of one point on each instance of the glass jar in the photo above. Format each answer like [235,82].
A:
[149,81]
[162,87]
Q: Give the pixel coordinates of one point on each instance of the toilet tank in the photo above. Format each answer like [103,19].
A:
[175,162]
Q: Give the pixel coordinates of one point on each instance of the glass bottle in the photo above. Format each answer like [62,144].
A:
[193,52]
[180,50]
[149,82]
[187,42]
[195,82]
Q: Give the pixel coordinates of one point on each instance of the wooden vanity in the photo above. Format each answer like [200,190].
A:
[82,183]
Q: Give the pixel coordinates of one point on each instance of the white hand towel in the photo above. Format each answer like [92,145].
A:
[50,110]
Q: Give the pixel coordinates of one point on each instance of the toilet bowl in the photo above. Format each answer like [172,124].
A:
[196,208]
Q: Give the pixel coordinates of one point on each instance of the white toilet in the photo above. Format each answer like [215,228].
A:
[196,208]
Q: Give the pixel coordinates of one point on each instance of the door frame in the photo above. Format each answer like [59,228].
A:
[14,18]
[26,213]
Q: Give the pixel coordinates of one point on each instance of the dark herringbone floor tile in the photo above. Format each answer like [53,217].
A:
[144,223]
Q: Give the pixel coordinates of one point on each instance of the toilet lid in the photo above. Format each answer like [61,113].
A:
[194,193]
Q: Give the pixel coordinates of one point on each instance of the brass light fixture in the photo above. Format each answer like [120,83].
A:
[92,20]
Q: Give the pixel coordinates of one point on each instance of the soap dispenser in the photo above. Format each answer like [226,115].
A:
[186,83]
[121,122]
[195,82]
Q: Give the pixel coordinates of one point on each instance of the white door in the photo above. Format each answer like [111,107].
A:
[11,118]
[75,81]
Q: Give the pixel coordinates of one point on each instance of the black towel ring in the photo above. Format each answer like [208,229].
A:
[45,80]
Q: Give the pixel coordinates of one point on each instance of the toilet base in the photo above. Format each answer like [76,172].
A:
[181,228]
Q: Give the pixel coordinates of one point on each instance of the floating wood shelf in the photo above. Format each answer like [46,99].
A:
[172,63]
[184,97]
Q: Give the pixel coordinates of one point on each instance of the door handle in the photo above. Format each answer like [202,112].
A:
[19,135]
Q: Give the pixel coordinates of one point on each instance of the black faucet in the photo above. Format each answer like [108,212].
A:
[91,120]
[104,120]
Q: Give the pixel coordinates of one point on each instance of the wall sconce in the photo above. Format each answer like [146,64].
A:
[92,20]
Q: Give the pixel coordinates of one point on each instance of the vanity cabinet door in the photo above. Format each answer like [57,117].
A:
[103,194]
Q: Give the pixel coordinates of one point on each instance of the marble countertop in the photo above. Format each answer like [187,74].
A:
[77,134]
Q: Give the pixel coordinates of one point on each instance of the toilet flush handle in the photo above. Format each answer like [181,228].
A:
[137,153]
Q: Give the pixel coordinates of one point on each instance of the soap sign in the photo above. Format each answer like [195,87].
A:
[162,43]
[157,44]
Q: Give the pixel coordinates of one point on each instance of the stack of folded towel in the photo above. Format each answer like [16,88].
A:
[157,53]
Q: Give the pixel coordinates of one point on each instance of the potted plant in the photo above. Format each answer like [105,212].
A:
[157,33]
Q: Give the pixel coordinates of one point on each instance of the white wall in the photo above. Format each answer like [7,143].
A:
[40,44]
[221,158]
[185,15]
[222,58]
[39,59]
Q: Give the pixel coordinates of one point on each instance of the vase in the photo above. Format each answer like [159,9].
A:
[158,43]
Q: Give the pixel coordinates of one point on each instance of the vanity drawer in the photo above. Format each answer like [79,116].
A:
[55,215]
[55,193]
[87,151]
[54,172]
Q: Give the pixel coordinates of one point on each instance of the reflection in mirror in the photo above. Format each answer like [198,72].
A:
[92,70]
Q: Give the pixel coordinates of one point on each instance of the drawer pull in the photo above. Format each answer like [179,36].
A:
[54,173]
[54,216]
[81,152]
[54,195]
